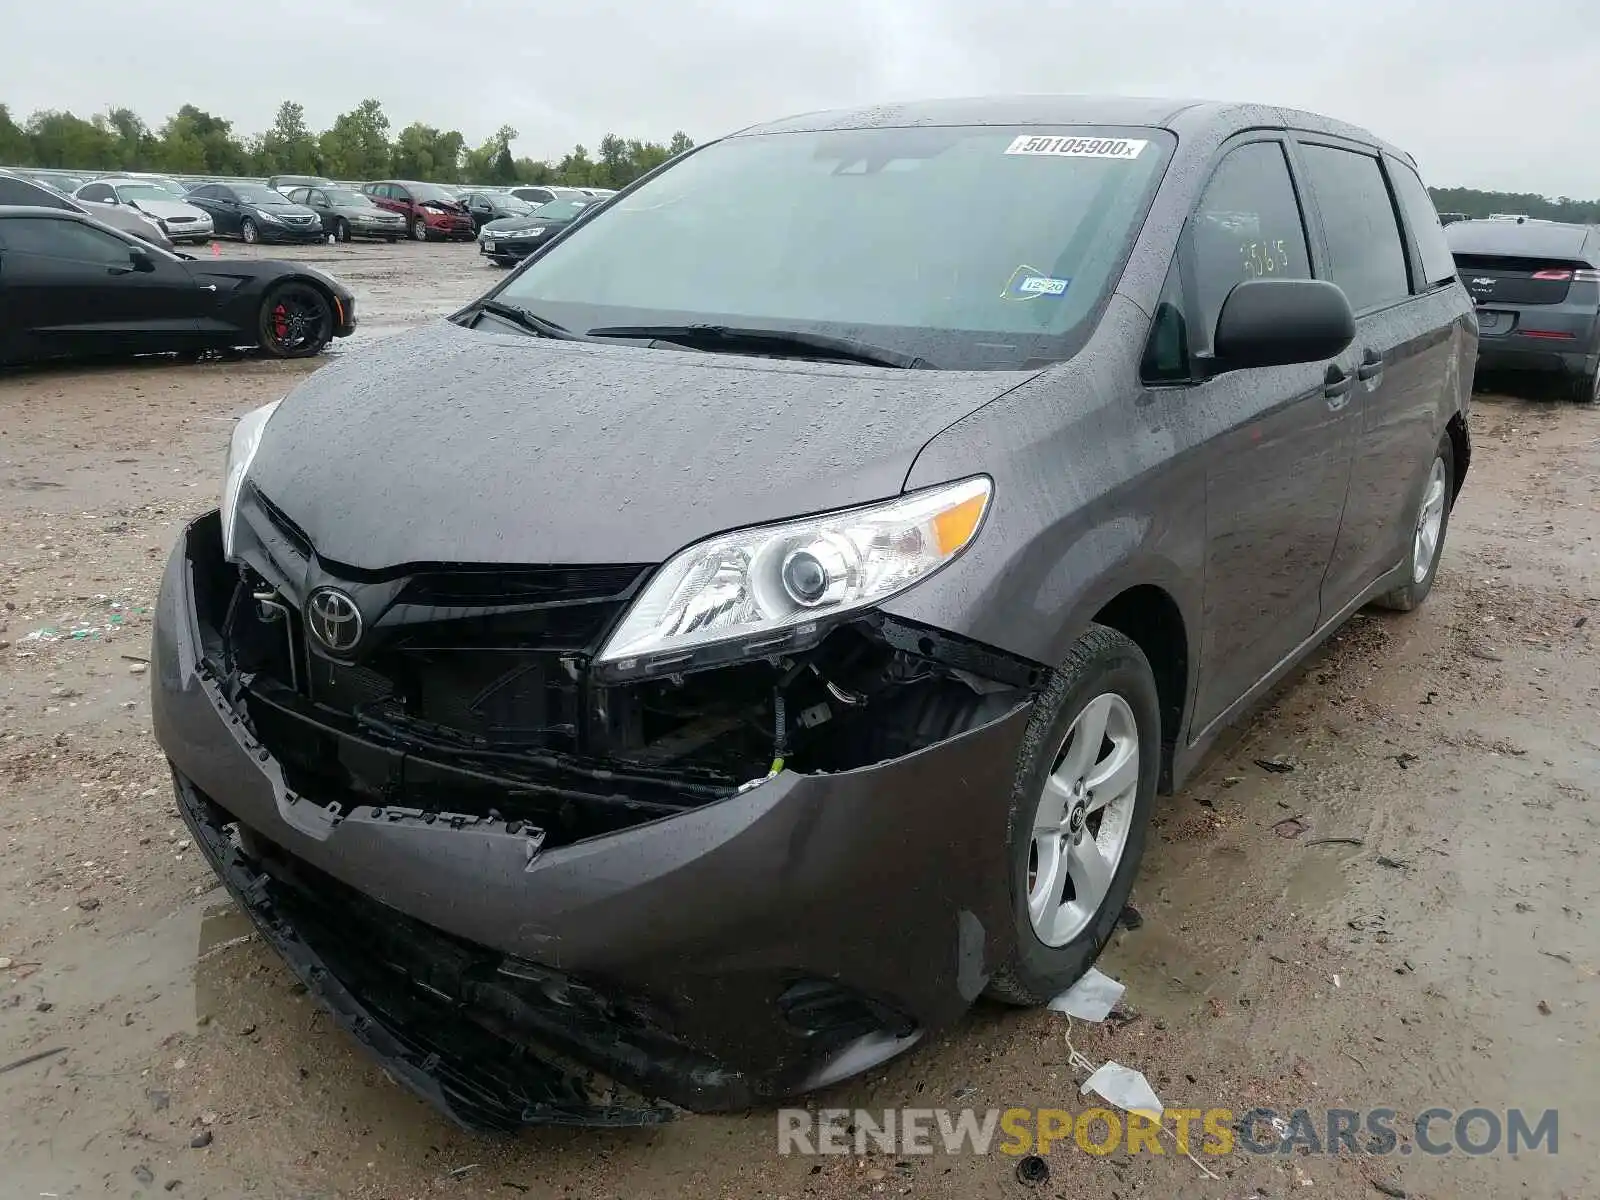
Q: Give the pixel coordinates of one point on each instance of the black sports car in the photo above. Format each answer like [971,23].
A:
[73,288]
[511,239]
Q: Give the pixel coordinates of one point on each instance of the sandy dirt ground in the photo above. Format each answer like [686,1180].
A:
[1447,955]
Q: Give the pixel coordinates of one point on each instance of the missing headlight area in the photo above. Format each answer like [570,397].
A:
[486,718]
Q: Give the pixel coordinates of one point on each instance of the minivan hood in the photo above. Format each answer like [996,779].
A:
[446,444]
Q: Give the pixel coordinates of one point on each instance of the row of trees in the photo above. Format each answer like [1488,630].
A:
[358,145]
[1474,203]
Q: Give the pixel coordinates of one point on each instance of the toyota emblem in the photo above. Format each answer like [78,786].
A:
[334,620]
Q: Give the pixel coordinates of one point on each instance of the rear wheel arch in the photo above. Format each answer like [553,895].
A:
[1461,449]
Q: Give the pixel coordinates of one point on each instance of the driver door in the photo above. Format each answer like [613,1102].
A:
[78,290]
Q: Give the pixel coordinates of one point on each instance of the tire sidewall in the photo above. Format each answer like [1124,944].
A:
[419,229]
[248,232]
[1117,666]
[341,230]
[268,345]
[1420,588]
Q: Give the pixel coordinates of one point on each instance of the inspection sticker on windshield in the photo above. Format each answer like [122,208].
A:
[1078,147]
[1040,285]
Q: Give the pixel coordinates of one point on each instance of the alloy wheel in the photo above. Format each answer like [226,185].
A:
[1430,521]
[248,231]
[296,321]
[1082,820]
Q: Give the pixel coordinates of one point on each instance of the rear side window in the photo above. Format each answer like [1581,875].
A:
[1366,256]
[1423,219]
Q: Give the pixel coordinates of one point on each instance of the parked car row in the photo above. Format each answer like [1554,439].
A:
[307,208]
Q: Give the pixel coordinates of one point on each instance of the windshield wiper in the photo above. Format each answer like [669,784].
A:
[530,321]
[792,341]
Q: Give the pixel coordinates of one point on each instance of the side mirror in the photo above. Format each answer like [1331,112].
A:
[1277,322]
[140,261]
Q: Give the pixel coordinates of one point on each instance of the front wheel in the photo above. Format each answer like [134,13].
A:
[1080,809]
[249,232]
[1431,522]
[341,230]
[296,321]
[419,229]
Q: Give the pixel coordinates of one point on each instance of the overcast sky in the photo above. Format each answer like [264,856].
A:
[1486,93]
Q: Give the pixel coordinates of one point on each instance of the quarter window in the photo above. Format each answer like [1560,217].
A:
[1365,254]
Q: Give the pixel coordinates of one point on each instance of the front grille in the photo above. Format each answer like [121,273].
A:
[489,657]
[180,220]
[519,586]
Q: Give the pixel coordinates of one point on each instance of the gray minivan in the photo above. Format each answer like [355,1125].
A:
[1537,288]
[759,626]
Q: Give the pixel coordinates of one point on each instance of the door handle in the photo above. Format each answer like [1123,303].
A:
[209,287]
[1336,385]
[1371,364]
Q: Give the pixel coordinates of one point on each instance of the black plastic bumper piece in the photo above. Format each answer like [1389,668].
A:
[484,1082]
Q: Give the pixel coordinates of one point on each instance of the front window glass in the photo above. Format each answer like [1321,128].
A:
[349,197]
[982,247]
[422,192]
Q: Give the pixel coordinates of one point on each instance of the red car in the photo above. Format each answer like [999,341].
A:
[431,211]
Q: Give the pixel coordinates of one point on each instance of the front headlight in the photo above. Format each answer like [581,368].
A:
[241,451]
[765,587]
[266,216]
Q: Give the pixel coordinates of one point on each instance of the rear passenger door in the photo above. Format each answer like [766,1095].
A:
[1403,356]
[1276,477]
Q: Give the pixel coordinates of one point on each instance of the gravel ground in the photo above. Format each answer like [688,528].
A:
[1447,958]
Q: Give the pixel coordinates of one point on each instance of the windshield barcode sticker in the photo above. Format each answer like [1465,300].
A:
[1078,147]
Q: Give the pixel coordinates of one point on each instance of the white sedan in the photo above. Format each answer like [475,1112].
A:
[183,222]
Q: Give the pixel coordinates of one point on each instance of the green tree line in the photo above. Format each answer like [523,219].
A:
[1474,203]
[358,145]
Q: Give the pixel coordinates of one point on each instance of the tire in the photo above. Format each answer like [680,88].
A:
[1412,593]
[298,308]
[341,230]
[248,231]
[1104,673]
[1586,389]
[419,229]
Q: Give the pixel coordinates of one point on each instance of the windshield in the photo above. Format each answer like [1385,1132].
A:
[972,247]
[421,192]
[348,197]
[170,186]
[562,210]
[511,205]
[143,191]
[262,197]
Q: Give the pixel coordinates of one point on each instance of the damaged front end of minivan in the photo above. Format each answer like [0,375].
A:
[547,885]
